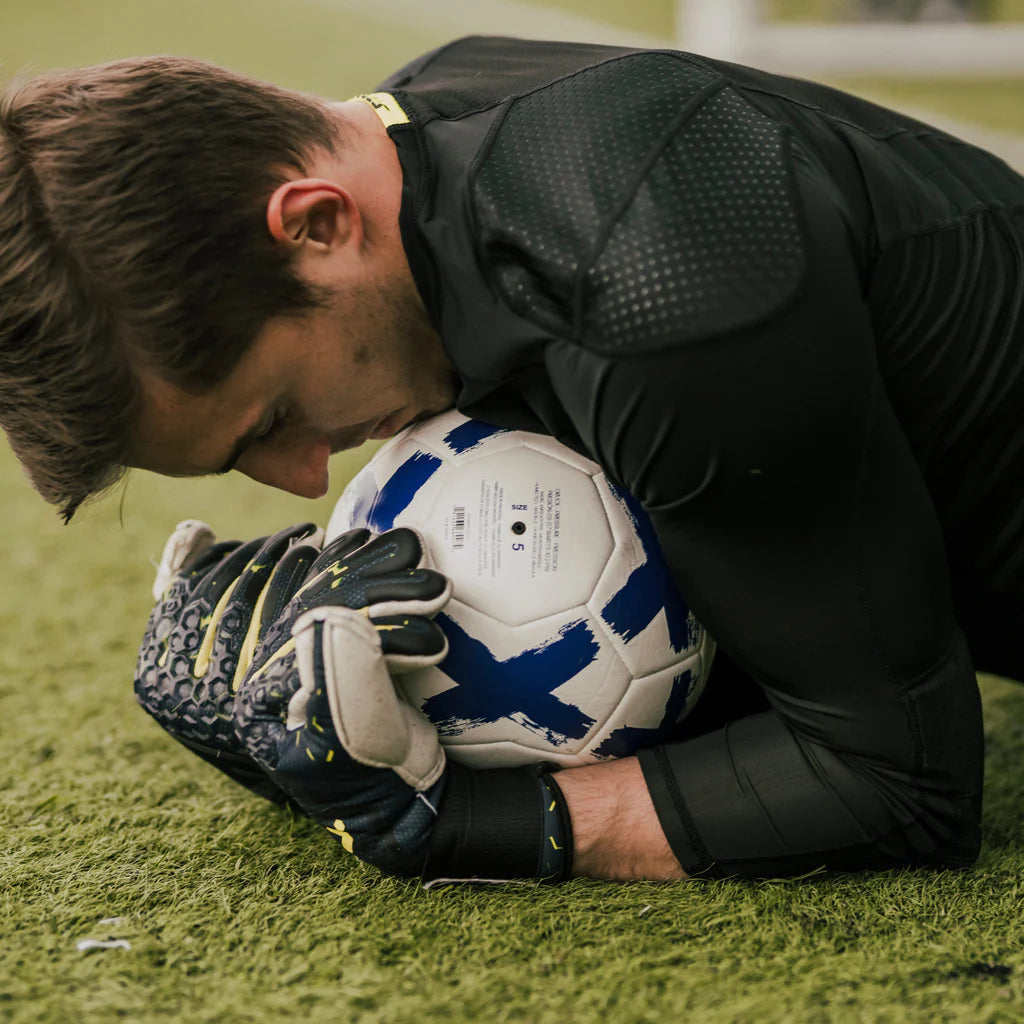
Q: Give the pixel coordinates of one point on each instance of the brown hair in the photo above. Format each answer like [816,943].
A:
[132,234]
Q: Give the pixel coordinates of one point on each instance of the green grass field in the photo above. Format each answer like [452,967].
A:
[235,912]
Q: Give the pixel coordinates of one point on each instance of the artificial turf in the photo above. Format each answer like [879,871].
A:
[236,912]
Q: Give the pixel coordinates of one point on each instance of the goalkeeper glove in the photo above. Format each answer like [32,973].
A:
[319,712]
[214,602]
[364,610]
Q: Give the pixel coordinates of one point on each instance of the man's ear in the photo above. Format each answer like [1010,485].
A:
[312,210]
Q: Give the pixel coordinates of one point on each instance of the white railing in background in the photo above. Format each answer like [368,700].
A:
[735,30]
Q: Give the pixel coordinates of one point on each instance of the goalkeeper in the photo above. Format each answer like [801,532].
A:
[789,321]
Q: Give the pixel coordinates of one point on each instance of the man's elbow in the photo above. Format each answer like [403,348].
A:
[938,824]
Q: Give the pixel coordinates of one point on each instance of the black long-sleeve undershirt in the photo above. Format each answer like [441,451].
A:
[821,414]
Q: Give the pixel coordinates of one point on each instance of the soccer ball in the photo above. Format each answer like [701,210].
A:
[568,641]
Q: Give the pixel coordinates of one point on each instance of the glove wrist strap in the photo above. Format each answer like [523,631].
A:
[497,825]
[556,862]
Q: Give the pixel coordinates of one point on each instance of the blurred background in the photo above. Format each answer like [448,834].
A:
[958,62]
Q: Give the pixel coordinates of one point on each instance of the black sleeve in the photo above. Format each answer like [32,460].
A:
[802,534]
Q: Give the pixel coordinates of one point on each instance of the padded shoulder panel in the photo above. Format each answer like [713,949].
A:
[638,204]
[711,243]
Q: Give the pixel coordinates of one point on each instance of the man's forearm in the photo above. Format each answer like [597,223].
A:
[616,833]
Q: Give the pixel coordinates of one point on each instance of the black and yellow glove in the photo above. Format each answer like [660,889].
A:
[319,711]
[272,661]
[215,602]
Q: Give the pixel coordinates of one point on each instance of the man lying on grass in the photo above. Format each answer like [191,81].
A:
[789,321]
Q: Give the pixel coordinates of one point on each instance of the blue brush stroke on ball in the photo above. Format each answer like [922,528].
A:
[650,588]
[400,488]
[362,491]
[627,740]
[487,689]
[469,434]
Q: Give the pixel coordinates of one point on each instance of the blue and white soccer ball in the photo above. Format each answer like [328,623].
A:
[568,639]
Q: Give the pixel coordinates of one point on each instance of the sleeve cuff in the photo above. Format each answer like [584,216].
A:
[673,815]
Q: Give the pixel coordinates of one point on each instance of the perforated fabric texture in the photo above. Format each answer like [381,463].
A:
[564,160]
[637,204]
[711,242]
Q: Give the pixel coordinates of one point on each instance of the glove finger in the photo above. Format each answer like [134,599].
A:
[392,551]
[386,553]
[414,592]
[183,585]
[345,543]
[210,557]
[385,574]
[333,561]
[261,552]
[286,579]
[340,549]
[186,545]
[219,576]
[410,642]
[230,620]
[410,592]
[255,575]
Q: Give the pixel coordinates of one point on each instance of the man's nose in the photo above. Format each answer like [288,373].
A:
[299,468]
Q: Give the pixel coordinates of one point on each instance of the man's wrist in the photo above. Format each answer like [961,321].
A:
[617,835]
[497,825]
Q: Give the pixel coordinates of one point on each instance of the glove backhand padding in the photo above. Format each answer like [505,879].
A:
[342,651]
[320,713]
[212,600]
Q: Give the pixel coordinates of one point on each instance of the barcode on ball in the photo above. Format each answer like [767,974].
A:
[458,526]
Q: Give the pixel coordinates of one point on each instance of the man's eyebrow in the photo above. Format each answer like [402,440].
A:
[239,447]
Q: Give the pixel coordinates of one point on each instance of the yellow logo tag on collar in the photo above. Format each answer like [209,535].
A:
[386,107]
